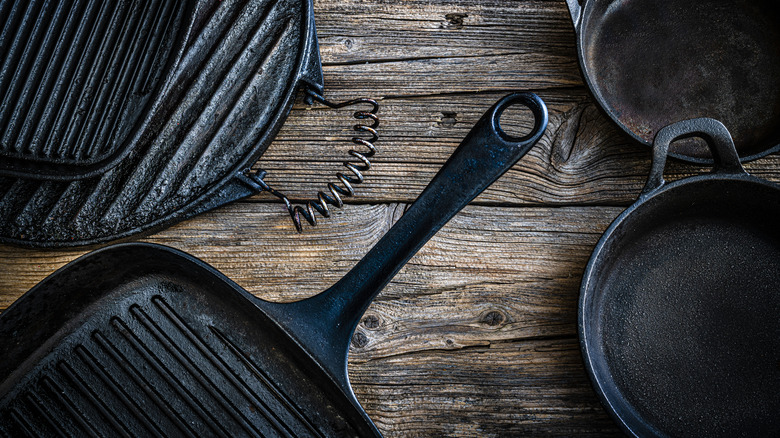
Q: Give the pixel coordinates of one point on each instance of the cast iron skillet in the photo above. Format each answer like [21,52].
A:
[650,63]
[679,313]
[141,339]
[121,117]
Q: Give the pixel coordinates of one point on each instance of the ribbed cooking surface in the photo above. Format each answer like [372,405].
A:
[219,103]
[142,340]
[76,77]
[148,372]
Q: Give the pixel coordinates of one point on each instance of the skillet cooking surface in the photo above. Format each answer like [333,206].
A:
[679,307]
[689,314]
[651,63]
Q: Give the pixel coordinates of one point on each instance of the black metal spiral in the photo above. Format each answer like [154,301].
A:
[346,189]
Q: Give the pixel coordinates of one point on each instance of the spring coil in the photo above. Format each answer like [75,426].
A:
[347,181]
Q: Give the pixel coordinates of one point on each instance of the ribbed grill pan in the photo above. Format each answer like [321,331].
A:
[147,144]
[76,79]
[149,367]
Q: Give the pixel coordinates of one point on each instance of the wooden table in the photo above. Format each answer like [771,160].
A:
[476,336]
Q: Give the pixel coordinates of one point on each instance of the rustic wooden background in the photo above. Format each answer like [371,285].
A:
[476,336]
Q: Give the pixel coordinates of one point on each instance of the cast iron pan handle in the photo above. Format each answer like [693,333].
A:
[713,132]
[325,322]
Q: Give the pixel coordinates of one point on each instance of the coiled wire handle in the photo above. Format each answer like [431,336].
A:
[347,181]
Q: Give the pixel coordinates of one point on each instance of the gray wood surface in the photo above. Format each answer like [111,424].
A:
[476,336]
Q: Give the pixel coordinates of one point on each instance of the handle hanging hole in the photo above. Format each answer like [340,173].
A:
[515,121]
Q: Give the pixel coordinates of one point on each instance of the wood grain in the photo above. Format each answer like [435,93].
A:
[530,388]
[446,46]
[581,160]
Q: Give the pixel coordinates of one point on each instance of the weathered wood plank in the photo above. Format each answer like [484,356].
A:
[582,159]
[449,46]
[376,30]
[254,244]
[530,388]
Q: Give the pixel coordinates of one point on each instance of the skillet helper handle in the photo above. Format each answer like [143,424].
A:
[485,154]
[714,133]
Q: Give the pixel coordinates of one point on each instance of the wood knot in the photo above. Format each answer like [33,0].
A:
[371,322]
[493,318]
[454,21]
[359,340]
[565,137]
[448,119]
[580,139]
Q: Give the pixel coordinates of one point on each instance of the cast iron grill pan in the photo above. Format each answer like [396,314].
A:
[119,117]
[652,63]
[680,303]
[140,339]
[74,90]
[164,346]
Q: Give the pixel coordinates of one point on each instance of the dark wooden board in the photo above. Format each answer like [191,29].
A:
[476,336]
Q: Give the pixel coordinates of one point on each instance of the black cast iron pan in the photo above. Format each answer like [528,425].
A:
[140,339]
[679,316]
[121,117]
[651,63]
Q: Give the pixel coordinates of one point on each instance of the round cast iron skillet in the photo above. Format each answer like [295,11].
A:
[651,63]
[679,312]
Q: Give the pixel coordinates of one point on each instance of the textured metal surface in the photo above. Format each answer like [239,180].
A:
[163,346]
[140,339]
[221,96]
[76,80]
[679,306]
[652,63]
